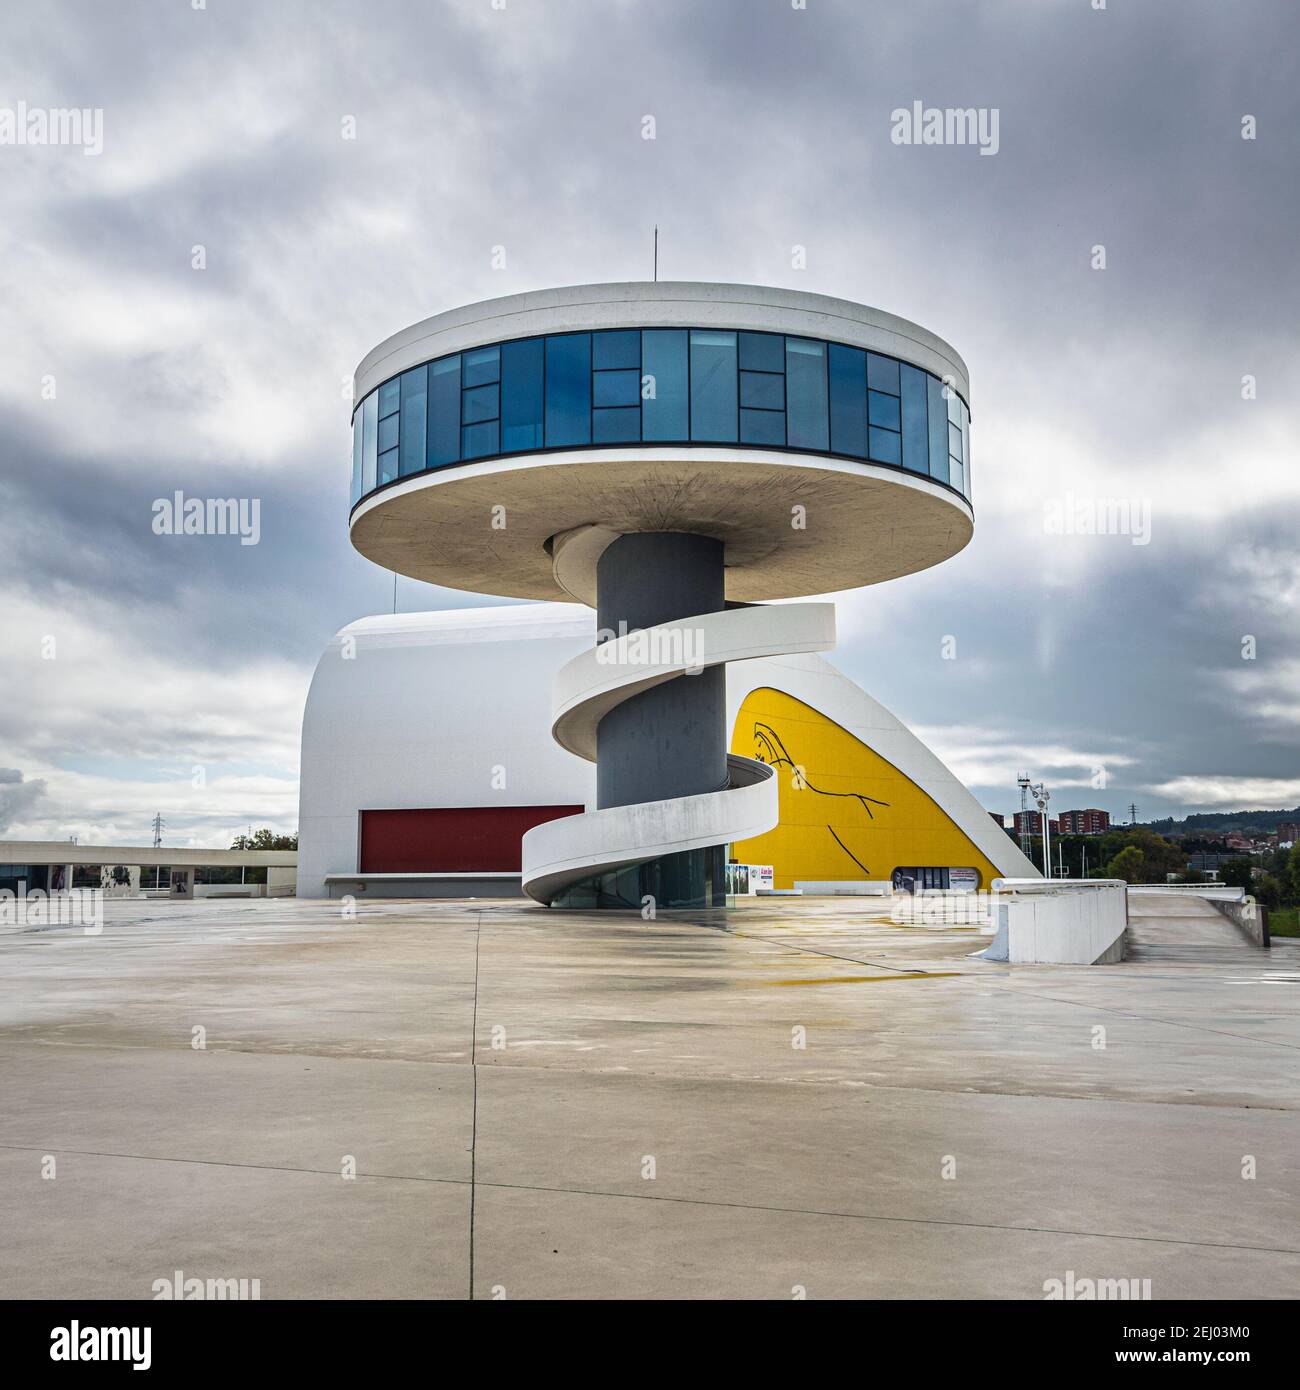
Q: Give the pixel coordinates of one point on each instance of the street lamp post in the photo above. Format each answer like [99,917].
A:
[1042,796]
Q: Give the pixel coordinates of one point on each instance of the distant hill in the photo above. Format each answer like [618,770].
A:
[1261,822]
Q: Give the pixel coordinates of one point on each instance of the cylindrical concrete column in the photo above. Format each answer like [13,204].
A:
[668,741]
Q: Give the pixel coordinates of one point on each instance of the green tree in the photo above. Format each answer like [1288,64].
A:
[1267,890]
[1128,865]
[1289,878]
[265,839]
[1160,857]
[1236,873]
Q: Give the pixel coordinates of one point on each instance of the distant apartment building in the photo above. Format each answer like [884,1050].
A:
[1089,822]
[1288,832]
[1031,823]
[999,819]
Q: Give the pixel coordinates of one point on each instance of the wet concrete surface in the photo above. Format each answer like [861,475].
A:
[541,1104]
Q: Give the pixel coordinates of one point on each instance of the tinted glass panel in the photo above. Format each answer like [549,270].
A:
[916,444]
[848,375]
[481,403]
[883,410]
[481,366]
[369,430]
[762,390]
[414,399]
[965,448]
[568,389]
[713,385]
[387,433]
[806,409]
[663,368]
[521,394]
[478,440]
[621,426]
[938,417]
[356,456]
[444,411]
[620,347]
[616,388]
[762,352]
[882,373]
[762,427]
[673,385]
[885,446]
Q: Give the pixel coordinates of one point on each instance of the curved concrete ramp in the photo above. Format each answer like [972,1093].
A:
[1184,927]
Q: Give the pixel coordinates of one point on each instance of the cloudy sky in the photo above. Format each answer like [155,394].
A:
[126,373]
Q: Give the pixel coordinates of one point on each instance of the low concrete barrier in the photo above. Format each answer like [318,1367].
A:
[1058,922]
[1249,916]
[502,884]
[845,888]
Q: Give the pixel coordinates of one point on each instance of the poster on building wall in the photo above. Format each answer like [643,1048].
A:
[963,880]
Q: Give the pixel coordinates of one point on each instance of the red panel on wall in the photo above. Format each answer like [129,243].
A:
[450,839]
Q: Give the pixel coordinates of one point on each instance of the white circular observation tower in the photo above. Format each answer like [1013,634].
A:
[671,454]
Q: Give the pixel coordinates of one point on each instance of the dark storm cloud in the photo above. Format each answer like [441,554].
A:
[17,797]
[522,128]
[206,598]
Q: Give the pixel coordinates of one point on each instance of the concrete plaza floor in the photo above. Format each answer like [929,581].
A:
[544,1104]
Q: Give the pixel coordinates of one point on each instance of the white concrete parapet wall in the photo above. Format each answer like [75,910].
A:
[1211,892]
[1058,922]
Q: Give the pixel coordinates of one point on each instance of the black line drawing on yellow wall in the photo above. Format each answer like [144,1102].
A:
[772,750]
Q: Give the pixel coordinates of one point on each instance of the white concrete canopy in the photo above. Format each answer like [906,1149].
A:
[859,523]
[146,856]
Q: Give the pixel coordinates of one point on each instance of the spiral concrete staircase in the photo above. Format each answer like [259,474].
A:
[561,853]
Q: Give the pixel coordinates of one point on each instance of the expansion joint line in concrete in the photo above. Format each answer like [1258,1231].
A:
[473,1070]
[832,955]
[701,1202]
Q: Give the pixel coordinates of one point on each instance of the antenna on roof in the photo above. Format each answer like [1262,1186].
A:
[656,253]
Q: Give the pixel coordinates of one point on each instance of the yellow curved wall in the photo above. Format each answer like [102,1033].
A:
[883,819]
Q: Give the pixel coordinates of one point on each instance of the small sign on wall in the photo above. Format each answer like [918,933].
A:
[963,880]
[744,880]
